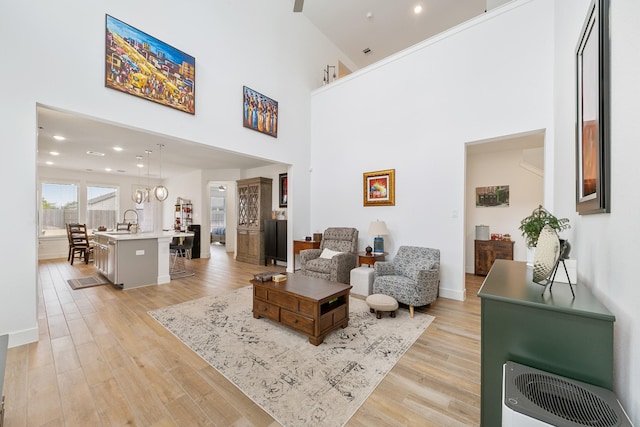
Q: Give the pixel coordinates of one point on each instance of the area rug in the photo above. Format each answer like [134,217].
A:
[87,282]
[296,382]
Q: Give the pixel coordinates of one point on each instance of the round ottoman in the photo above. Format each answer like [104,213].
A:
[378,303]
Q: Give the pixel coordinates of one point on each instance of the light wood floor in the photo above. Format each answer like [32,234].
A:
[101,360]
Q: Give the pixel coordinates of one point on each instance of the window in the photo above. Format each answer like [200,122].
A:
[102,207]
[58,206]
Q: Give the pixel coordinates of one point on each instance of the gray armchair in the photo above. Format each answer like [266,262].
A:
[412,277]
[337,268]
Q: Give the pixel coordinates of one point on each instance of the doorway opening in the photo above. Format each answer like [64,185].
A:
[515,162]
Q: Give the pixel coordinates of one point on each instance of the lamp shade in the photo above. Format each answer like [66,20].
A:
[378,228]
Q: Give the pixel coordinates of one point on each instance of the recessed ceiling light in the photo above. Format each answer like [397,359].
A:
[118,148]
[54,153]
[417,9]
[59,137]
[107,169]
[49,163]
[95,153]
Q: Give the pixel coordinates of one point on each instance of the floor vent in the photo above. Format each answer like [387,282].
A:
[560,401]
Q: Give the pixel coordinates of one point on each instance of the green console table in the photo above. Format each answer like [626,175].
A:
[552,332]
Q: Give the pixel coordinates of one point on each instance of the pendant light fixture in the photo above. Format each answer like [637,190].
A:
[147,190]
[139,195]
[160,191]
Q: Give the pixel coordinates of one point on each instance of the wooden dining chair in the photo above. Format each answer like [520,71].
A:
[79,244]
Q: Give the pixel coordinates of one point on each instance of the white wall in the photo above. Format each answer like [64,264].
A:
[59,62]
[500,167]
[606,245]
[414,113]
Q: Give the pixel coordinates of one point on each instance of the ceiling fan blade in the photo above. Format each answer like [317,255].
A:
[297,5]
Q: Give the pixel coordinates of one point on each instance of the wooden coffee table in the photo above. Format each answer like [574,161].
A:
[312,306]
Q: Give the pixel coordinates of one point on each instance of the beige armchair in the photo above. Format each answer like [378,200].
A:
[331,266]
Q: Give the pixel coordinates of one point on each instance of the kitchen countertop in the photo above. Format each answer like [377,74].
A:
[120,235]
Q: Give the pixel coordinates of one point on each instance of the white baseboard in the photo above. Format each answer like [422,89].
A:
[452,294]
[26,336]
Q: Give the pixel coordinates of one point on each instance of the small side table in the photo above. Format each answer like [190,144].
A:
[300,245]
[370,259]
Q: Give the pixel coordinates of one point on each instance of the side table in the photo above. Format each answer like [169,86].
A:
[300,245]
[370,259]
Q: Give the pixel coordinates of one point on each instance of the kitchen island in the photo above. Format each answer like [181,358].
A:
[131,260]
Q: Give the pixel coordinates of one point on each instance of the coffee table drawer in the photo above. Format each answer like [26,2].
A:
[295,321]
[288,301]
[264,309]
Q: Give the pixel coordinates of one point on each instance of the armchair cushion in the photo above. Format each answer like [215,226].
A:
[328,253]
[412,277]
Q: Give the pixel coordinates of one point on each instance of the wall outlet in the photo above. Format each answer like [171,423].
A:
[140,252]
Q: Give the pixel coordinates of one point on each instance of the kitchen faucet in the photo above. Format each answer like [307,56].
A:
[124,219]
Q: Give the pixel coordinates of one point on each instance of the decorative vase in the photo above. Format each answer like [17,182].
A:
[546,255]
[368,250]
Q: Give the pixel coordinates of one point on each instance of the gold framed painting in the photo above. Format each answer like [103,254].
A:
[379,188]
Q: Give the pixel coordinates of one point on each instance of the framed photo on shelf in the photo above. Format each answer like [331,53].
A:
[379,188]
[284,190]
[593,112]
[143,66]
[260,112]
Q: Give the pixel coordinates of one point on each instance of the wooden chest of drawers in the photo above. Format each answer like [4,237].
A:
[487,251]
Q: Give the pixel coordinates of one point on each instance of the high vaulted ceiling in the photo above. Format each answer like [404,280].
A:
[383,26]
[386,26]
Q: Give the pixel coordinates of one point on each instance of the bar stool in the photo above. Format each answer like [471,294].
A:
[180,249]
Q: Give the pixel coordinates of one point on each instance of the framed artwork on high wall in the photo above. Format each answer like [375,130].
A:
[260,112]
[379,188]
[593,112]
[143,66]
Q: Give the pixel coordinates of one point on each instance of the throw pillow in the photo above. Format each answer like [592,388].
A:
[328,253]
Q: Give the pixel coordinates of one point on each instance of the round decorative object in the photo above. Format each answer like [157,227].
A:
[161,193]
[368,250]
[546,254]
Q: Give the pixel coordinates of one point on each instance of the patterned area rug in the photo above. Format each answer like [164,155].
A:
[87,282]
[296,382]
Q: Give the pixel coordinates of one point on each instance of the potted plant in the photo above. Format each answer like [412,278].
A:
[532,225]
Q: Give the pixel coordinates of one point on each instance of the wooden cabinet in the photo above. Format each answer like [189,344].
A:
[554,332]
[254,208]
[487,251]
[275,236]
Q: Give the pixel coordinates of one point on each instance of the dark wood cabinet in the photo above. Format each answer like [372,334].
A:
[275,236]
[487,251]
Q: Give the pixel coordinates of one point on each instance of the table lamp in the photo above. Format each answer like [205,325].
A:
[378,229]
